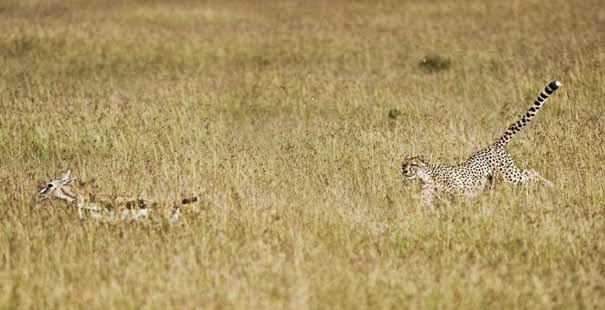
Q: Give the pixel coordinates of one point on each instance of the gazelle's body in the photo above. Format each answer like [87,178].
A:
[108,207]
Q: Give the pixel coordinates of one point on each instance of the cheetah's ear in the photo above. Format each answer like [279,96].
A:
[417,157]
[422,159]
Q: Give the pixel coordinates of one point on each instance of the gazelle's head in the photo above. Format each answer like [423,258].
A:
[63,189]
[411,167]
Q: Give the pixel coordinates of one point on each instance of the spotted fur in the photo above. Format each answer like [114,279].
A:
[474,175]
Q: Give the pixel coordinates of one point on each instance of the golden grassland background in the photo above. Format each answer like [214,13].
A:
[289,119]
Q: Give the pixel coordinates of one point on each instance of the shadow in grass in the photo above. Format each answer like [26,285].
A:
[435,63]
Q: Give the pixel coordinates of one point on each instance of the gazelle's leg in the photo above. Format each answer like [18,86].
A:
[176,215]
[142,214]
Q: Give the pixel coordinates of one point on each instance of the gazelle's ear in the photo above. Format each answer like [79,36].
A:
[67,175]
[68,178]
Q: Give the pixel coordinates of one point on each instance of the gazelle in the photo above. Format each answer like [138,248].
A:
[107,207]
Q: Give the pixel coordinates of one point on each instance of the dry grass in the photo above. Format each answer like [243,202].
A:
[290,119]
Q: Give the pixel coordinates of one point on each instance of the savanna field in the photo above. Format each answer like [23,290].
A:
[289,119]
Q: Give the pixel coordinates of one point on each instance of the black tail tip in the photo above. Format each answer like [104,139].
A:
[554,85]
[188,200]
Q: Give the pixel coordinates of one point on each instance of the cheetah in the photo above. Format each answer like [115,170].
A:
[107,207]
[476,174]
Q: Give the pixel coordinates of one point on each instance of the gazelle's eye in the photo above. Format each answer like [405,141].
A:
[50,185]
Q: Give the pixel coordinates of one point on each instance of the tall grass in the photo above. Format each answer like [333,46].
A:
[290,120]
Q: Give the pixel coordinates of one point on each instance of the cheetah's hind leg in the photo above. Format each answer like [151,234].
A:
[533,175]
[513,174]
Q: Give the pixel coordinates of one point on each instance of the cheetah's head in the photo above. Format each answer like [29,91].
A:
[411,166]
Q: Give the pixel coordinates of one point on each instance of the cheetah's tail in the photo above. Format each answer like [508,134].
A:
[529,115]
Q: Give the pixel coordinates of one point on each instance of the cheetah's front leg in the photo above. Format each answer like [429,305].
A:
[427,195]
